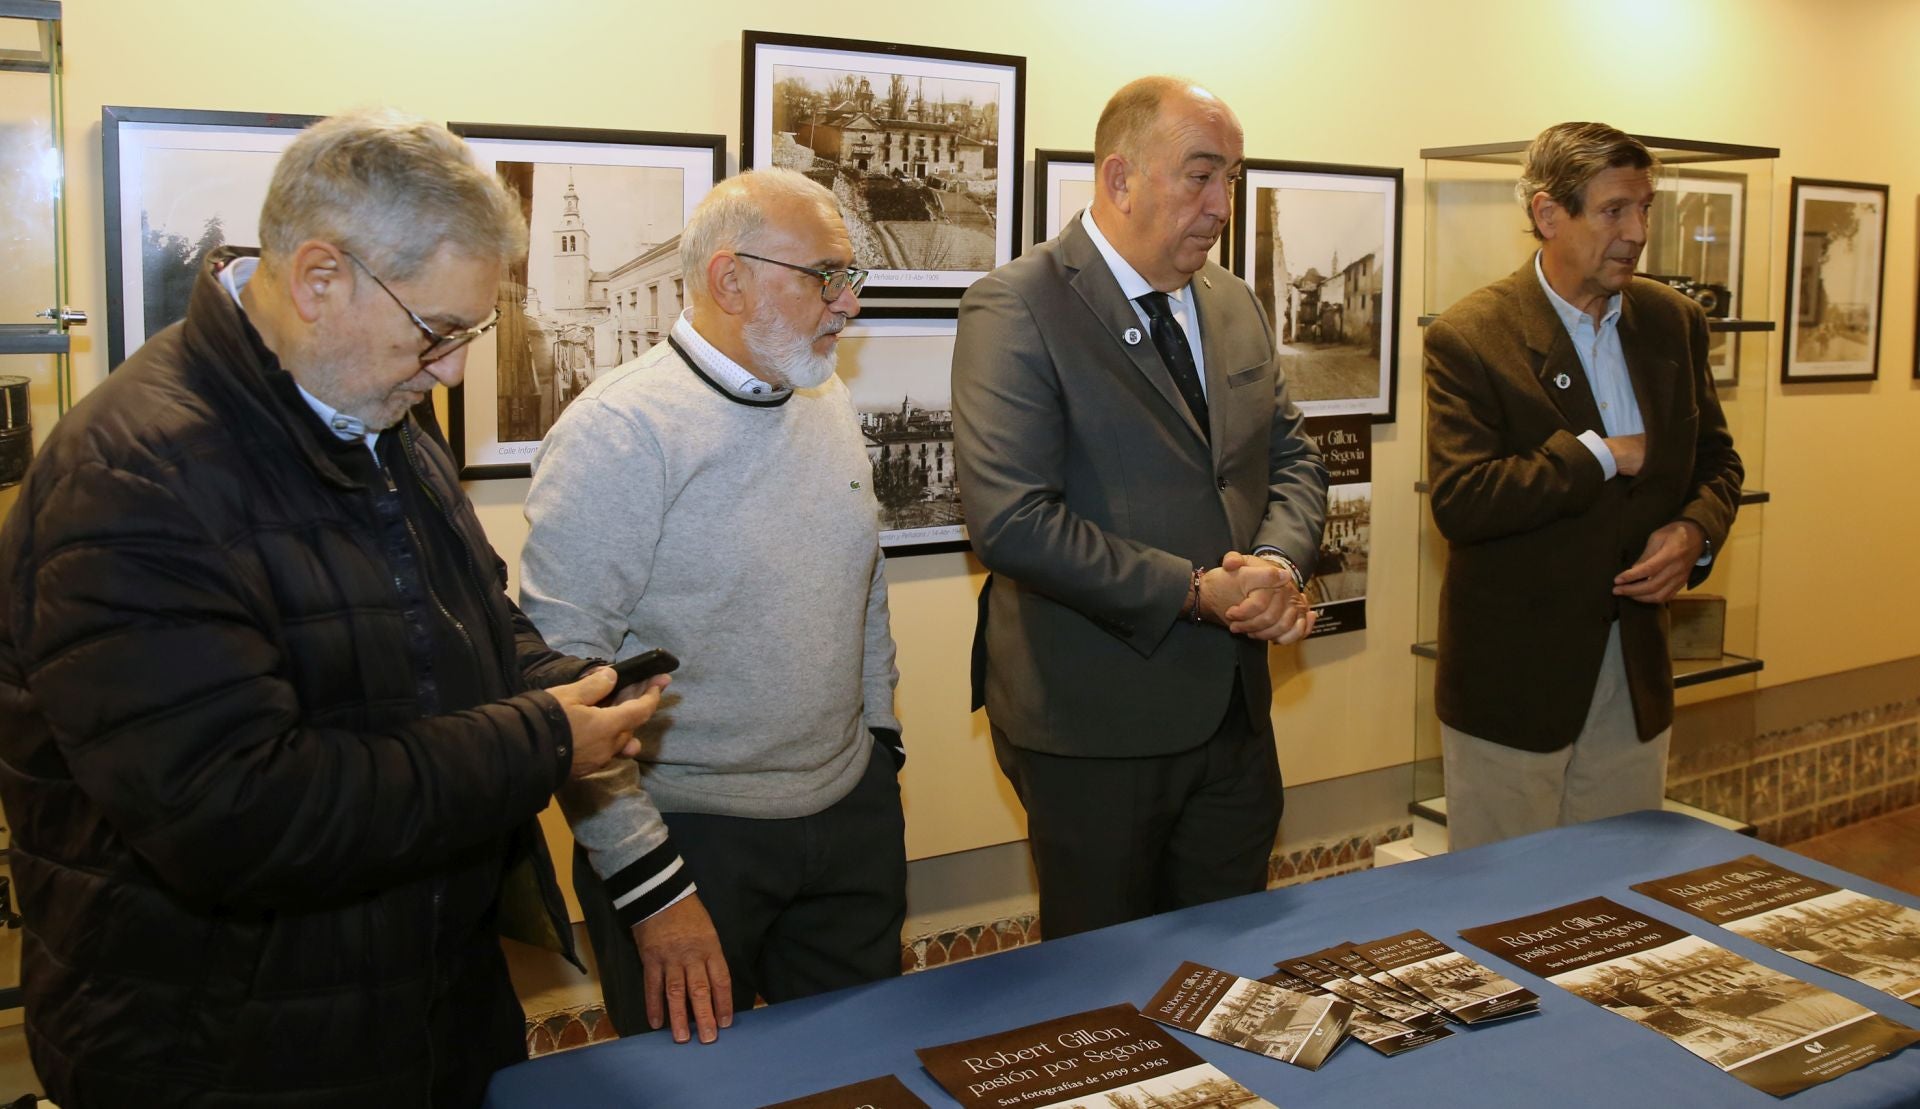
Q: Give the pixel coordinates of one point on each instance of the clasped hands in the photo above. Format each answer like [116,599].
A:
[1254,597]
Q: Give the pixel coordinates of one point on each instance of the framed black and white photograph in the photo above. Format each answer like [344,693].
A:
[179,184]
[1062,186]
[1320,244]
[600,285]
[896,364]
[1699,229]
[1836,264]
[921,146]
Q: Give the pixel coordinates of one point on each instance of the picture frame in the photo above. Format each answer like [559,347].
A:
[930,189]
[600,285]
[895,363]
[178,183]
[1062,185]
[1338,331]
[1698,247]
[1835,281]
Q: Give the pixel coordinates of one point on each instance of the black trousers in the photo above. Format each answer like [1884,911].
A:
[1116,839]
[802,905]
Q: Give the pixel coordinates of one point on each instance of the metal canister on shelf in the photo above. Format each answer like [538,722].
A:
[16,429]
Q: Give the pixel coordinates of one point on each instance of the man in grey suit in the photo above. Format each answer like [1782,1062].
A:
[1136,479]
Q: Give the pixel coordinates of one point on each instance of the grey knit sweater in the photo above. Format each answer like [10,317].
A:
[742,535]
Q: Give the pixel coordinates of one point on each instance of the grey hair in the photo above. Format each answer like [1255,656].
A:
[734,216]
[392,188]
[1128,122]
[1562,160]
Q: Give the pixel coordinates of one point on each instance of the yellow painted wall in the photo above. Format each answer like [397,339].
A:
[1830,82]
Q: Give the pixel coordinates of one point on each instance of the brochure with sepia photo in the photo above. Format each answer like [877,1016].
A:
[1866,939]
[1320,970]
[885,1092]
[1106,1058]
[1359,970]
[1280,1023]
[1772,1031]
[1383,1034]
[1464,988]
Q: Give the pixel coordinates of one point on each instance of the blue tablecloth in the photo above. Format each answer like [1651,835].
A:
[1572,1054]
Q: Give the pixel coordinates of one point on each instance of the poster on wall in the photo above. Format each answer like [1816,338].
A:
[600,284]
[1837,244]
[895,362]
[179,184]
[921,146]
[1320,244]
[1338,590]
[1699,228]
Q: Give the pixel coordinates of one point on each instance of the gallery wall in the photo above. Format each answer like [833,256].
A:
[1366,81]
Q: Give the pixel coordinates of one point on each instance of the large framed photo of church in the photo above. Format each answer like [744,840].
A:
[921,146]
[600,284]
[1320,244]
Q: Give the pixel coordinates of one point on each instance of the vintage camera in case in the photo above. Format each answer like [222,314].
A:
[1716,300]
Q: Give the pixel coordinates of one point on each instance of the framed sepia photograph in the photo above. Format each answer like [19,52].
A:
[1699,228]
[896,364]
[922,147]
[600,284]
[1836,267]
[179,184]
[1320,244]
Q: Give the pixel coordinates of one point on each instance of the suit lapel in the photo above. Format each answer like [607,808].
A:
[1653,375]
[1094,283]
[1224,355]
[1555,362]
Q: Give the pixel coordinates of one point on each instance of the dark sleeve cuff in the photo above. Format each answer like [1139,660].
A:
[648,884]
[890,739]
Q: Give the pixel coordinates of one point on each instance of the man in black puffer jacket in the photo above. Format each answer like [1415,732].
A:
[272,737]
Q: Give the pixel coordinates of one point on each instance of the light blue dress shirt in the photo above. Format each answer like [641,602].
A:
[1606,365]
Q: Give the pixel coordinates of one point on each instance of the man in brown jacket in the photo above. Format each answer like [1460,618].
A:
[1582,474]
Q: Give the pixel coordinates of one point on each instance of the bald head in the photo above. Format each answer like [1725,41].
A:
[1128,122]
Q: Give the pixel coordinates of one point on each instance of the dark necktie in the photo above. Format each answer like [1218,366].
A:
[1171,339]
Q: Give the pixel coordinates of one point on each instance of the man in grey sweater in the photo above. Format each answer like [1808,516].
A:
[713,497]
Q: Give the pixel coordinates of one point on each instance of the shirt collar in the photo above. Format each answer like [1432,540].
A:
[233,278]
[730,374]
[1132,285]
[1569,315]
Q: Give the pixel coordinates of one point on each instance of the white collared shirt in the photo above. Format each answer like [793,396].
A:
[1598,347]
[1133,287]
[726,371]
[233,278]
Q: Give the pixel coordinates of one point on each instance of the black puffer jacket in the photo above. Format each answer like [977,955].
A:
[255,860]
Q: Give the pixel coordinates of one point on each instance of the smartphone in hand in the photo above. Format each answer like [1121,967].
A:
[646,664]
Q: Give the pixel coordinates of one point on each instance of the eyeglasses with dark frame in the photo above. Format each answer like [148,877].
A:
[832,282]
[439,345]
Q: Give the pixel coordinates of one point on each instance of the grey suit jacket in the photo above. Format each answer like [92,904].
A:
[1092,494]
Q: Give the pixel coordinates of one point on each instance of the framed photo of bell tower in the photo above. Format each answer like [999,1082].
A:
[1836,274]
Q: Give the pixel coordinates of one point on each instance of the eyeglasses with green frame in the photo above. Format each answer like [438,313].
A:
[832,282]
[439,344]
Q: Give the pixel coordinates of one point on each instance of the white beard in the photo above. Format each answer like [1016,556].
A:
[778,350]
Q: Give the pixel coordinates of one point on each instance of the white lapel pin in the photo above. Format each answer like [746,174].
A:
[1562,380]
[1207,281]
[1132,336]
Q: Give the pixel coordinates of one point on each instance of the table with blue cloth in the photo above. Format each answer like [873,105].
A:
[1572,1054]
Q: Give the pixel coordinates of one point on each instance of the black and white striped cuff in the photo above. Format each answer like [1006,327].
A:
[648,884]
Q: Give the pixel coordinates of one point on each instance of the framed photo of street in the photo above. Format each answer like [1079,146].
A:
[600,284]
[179,184]
[1320,244]
[1836,270]
[922,147]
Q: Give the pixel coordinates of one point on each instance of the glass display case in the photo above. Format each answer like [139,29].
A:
[1709,238]
[35,385]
